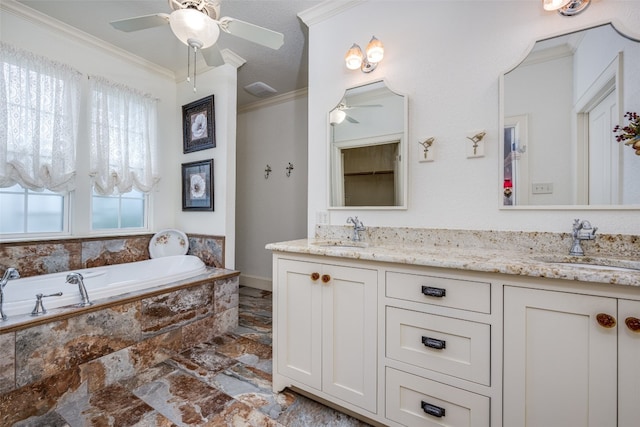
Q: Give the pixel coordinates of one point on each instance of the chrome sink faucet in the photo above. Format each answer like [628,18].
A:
[77,279]
[358,226]
[9,274]
[582,230]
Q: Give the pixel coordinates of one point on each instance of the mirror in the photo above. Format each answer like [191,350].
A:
[367,147]
[560,105]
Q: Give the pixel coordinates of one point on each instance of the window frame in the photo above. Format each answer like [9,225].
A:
[25,235]
[146,218]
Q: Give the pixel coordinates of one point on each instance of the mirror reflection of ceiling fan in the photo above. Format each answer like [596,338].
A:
[197,24]
[338,114]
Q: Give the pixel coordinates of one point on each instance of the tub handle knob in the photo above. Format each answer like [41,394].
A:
[39,309]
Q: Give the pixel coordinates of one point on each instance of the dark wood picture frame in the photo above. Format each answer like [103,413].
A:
[199,125]
[197,186]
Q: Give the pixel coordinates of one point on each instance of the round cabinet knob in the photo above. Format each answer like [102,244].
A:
[326,278]
[606,320]
[315,276]
[633,323]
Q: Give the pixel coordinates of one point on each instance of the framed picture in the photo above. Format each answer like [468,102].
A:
[198,125]
[197,186]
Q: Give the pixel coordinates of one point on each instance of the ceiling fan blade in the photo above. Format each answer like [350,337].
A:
[351,107]
[212,56]
[141,22]
[253,33]
[351,119]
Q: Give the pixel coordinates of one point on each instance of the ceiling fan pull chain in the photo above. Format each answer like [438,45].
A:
[195,62]
[188,64]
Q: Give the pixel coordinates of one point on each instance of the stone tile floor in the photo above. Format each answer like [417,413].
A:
[226,382]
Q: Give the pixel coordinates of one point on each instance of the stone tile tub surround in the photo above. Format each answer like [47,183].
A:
[514,253]
[33,258]
[62,359]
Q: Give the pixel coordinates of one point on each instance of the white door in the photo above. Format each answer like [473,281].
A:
[298,322]
[628,359]
[560,365]
[350,330]
[604,153]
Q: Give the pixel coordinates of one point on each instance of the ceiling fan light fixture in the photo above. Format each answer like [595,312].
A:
[337,116]
[192,24]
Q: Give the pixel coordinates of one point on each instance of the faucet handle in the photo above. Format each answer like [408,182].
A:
[39,309]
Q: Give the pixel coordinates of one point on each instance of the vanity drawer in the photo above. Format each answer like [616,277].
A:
[455,347]
[455,293]
[416,401]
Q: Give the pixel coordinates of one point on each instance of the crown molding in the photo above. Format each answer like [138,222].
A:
[232,58]
[274,100]
[326,10]
[32,15]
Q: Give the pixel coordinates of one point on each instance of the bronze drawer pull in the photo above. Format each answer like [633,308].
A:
[326,278]
[433,410]
[434,343]
[434,292]
[315,276]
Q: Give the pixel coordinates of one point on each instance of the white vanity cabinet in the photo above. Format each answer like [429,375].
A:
[438,348]
[570,359]
[326,330]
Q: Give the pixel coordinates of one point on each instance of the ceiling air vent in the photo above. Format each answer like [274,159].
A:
[260,89]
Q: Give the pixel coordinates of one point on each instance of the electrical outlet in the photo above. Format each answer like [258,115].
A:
[542,188]
[322,217]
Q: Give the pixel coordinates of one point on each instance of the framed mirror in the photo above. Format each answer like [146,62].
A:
[368,149]
[560,105]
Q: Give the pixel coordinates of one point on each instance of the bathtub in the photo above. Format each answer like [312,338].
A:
[101,282]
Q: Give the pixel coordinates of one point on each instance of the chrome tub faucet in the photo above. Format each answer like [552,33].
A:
[358,226]
[582,230]
[77,279]
[9,274]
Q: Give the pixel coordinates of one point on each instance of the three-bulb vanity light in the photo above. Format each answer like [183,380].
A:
[355,59]
[566,7]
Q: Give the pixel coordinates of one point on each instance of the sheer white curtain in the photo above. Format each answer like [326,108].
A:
[123,138]
[39,101]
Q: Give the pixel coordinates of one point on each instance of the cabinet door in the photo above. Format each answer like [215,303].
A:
[560,365]
[628,362]
[298,321]
[349,307]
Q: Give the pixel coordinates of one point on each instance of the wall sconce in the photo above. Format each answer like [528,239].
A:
[356,59]
[566,7]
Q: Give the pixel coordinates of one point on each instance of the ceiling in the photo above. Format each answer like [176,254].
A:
[284,69]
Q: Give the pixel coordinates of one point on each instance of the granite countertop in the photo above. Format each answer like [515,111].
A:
[522,262]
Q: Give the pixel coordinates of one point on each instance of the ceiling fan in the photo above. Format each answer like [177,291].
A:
[197,24]
[338,114]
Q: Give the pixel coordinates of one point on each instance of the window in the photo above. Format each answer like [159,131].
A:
[39,101]
[28,211]
[119,211]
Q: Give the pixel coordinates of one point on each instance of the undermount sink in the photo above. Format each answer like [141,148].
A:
[339,244]
[594,263]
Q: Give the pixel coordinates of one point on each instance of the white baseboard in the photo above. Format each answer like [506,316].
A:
[256,282]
